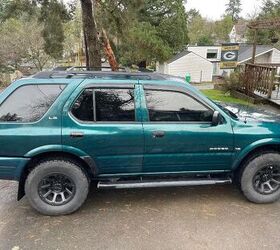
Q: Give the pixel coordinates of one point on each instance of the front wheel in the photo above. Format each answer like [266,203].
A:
[260,178]
[56,187]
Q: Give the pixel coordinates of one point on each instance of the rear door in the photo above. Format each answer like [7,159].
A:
[101,119]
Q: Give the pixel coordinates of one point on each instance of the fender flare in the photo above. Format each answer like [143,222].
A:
[251,147]
[64,149]
[52,149]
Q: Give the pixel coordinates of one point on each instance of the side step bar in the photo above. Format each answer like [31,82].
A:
[160,183]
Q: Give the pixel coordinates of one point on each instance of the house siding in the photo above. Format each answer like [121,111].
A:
[199,68]
[202,51]
[275,56]
[265,58]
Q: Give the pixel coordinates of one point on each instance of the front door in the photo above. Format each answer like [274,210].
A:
[103,123]
[179,135]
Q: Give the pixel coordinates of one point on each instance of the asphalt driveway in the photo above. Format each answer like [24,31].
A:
[216,217]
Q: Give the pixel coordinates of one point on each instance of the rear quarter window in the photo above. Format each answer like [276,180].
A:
[29,103]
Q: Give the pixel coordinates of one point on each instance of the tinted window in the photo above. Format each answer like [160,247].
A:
[29,103]
[175,106]
[83,107]
[114,105]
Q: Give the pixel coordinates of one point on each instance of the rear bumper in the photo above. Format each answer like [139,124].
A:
[11,167]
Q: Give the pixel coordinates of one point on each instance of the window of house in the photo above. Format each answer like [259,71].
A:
[29,103]
[107,105]
[212,54]
[173,106]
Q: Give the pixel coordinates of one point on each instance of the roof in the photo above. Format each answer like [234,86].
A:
[178,56]
[246,51]
[241,27]
[182,54]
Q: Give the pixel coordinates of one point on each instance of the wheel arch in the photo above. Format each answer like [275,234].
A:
[86,162]
[255,150]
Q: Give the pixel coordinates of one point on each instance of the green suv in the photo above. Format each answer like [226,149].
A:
[59,131]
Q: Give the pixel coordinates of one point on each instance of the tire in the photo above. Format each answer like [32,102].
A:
[56,176]
[255,175]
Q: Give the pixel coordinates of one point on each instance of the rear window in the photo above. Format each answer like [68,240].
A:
[29,103]
[114,105]
[105,105]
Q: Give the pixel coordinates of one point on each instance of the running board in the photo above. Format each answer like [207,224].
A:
[160,183]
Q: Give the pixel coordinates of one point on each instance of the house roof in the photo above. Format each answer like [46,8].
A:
[179,55]
[246,51]
[240,28]
[182,54]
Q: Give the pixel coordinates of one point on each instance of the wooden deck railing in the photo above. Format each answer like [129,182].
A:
[258,78]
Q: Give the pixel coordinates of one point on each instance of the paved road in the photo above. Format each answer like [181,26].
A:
[216,217]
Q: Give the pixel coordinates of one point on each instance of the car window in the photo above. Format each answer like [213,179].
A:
[105,105]
[173,106]
[83,107]
[29,103]
[115,105]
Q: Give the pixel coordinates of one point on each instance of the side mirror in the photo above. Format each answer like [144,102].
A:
[216,118]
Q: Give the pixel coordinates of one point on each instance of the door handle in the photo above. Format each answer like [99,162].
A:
[76,134]
[158,134]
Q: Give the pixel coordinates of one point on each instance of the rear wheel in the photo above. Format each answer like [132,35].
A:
[260,178]
[56,187]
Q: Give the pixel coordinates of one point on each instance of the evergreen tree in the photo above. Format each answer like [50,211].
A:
[269,9]
[53,14]
[144,30]
[233,9]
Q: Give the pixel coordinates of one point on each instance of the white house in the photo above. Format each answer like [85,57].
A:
[200,69]
[238,32]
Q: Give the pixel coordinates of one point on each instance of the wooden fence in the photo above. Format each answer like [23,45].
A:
[258,78]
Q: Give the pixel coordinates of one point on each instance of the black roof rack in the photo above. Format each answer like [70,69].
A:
[102,68]
[114,75]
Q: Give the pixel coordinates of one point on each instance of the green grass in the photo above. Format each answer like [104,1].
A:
[221,96]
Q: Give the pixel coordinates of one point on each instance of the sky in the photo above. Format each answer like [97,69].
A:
[214,9]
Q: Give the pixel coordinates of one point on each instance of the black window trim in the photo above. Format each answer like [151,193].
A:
[33,84]
[176,90]
[105,86]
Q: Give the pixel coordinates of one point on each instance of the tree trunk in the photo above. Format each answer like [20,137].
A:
[109,52]
[142,65]
[91,35]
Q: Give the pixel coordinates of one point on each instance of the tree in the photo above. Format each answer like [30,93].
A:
[17,8]
[233,9]
[142,44]
[269,9]
[51,13]
[22,42]
[92,43]
[222,29]
[3,6]
[201,31]
[191,14]
[144,30]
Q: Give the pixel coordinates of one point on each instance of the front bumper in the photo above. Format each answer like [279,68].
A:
[11,167]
